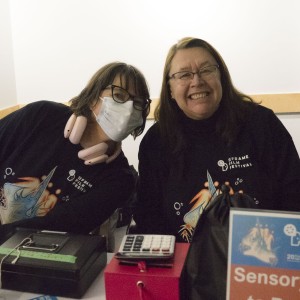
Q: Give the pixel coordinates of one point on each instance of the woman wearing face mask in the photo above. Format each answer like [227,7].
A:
[62,166]
[209,134]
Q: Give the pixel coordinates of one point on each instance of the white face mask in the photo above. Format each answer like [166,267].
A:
[118,120]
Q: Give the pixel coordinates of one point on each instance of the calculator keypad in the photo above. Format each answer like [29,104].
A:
[147,245]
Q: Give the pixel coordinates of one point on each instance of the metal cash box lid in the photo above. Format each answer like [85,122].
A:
[56,263]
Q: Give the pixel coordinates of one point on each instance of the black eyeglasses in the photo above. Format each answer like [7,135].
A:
[121,95]
[186,76]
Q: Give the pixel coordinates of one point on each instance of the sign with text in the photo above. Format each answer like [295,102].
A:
[263,255]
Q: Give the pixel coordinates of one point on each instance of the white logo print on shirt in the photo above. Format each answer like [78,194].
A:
[79,182]
[235,162]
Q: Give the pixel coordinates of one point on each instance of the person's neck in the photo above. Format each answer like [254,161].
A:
[94,135]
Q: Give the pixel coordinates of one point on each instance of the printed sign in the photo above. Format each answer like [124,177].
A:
[263,255]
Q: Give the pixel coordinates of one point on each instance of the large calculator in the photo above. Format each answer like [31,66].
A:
[146,246]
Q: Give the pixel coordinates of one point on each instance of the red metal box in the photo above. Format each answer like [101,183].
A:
[144,280]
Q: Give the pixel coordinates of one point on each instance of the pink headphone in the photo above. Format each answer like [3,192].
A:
[96,154]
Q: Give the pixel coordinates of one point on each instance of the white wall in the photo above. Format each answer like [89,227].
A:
[131,146]
[59,44]
[8,95]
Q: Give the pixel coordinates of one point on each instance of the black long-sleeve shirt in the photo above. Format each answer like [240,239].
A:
[263,163]
[44,184]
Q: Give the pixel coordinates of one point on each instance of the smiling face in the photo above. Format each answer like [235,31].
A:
[198,98]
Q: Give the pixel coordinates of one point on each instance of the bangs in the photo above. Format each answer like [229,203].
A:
[131,79]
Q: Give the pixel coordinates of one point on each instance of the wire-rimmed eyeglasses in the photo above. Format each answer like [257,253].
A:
[204,73]
[121,95]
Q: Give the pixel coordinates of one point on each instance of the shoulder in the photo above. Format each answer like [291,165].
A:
[262,116]
[152,136]
[45,107]
[262,111]
[263,124]
[151,139]
[151,146]
[31,113]
[46,112]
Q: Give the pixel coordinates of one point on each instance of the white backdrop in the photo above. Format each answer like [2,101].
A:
[50,48]
[59,44]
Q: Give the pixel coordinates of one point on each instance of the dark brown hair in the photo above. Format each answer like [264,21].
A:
[233,106]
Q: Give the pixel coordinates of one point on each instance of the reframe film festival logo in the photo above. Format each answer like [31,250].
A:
[235,162]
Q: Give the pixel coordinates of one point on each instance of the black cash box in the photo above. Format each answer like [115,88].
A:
[52,263]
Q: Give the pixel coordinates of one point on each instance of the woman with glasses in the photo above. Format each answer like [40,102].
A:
[209,134]
[62,167]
